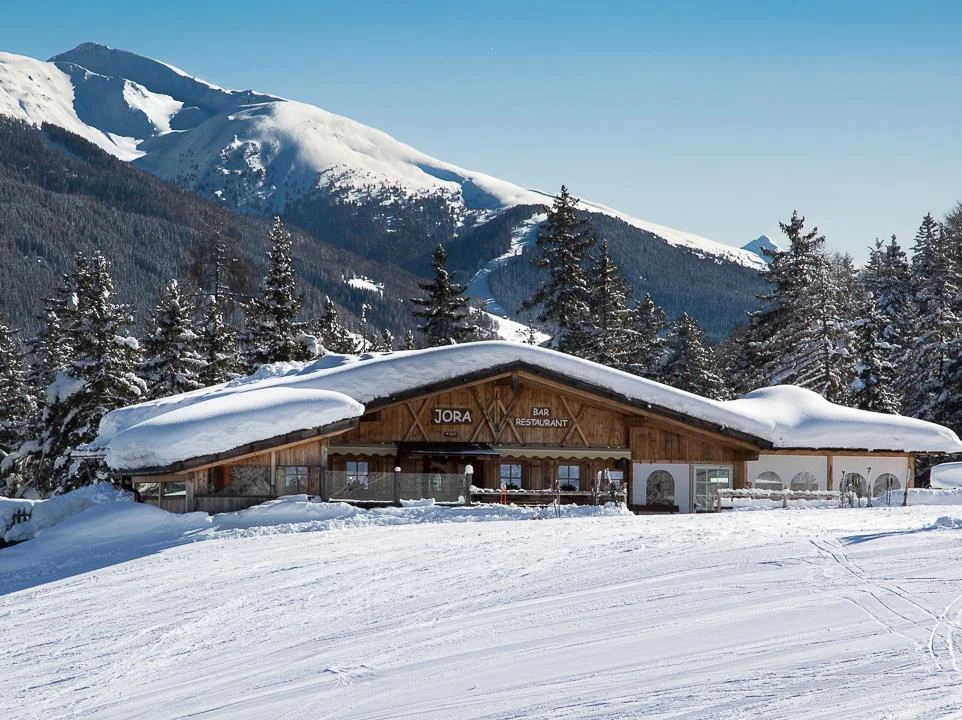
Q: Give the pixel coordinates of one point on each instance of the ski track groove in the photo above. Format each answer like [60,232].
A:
[723,617]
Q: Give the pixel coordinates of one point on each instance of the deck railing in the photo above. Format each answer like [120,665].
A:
[394,487]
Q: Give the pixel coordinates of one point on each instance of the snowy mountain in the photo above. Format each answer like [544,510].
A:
[760,244]
[259,151]
[344,182]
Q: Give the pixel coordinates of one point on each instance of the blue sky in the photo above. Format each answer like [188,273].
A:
[713,117]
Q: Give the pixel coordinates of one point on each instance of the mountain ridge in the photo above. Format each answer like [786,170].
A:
[349,185]
[345,154]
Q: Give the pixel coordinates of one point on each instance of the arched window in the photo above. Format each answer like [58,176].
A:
[768,480]
[853,481]
[885,482]
[804,481]
[660,488]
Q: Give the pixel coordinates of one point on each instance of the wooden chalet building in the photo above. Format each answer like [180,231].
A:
[527,423]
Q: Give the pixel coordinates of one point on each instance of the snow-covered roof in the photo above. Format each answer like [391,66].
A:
[286,397]
[222,422]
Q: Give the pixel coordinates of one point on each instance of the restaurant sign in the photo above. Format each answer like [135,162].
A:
[451,416]
[541,417]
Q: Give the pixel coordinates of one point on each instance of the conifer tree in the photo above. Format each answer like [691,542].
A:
[333,336]
[607,338]
[872,387]
[274,334]
[564,240]
[937,332]
[98,377]
[444,309]
[647,342]
[17,405]
[799,336]
[173,362]
[383,342]
[888,278]
[217,345]
[691,363]
[408,341]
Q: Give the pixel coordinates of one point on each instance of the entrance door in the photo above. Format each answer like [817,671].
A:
[708,479]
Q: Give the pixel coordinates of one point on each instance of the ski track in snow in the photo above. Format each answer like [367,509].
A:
[781,614]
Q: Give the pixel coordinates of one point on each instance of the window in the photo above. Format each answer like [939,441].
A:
[660,489]
[248,481]
[293,480]
[854,482]
[708,481]
[569,477]
[357,474]
[769,480]
[511,476]
[804,481]
[886,482]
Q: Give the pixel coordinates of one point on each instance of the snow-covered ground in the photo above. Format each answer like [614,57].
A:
[118,613]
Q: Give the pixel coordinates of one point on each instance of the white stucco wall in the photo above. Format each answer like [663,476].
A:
[788,466]
[680,473]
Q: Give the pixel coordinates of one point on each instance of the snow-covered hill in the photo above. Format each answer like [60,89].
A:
[298,609]
[257,152]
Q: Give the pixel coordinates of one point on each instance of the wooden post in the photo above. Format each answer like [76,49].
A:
[397,486]
[274,472]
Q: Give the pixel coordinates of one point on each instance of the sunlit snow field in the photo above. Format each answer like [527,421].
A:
[125,612]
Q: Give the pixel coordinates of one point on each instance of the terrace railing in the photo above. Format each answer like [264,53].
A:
[395,487]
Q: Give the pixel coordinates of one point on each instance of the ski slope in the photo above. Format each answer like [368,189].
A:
[782,614]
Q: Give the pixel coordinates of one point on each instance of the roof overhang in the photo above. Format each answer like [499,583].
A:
[253,448]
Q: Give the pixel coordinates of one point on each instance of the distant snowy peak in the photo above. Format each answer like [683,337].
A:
[760,244]
[254,151]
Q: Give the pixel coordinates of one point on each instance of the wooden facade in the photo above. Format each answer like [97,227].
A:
[515,427]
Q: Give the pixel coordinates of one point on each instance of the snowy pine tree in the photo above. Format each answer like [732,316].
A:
[564,240]
[100,376]
[646,341]
[936,335]
[17,406]
[333,336]
[872,388]
[274,334]
[173,361]
[217,345]
[691,363]
[445,308]
[800,335]
[408,341]
[887,277]
[607,333]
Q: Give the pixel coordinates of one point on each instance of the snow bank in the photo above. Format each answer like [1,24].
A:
[787,417]
[946,475]
[297,513]
[224,422]
[926,496]
[917,496]
[47,513]
[98,526]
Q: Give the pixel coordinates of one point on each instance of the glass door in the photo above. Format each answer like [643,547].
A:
[708,479]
